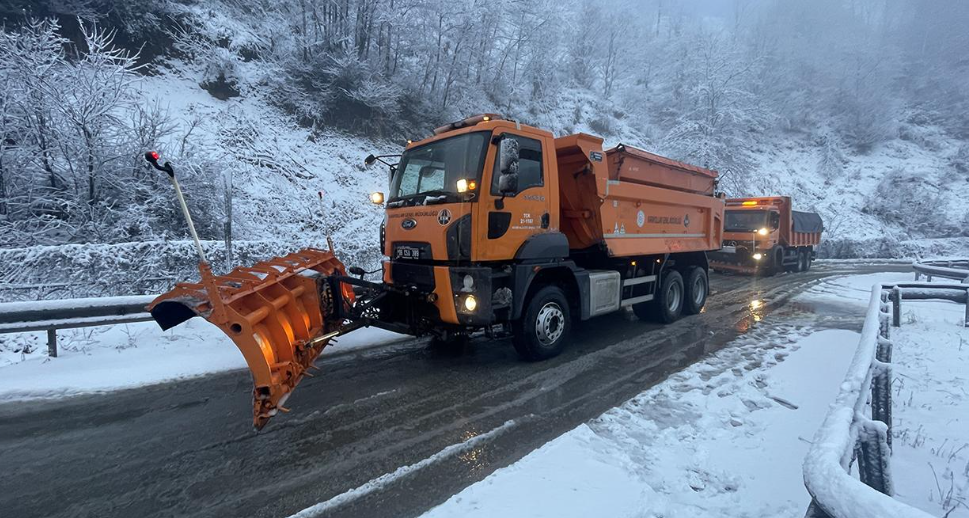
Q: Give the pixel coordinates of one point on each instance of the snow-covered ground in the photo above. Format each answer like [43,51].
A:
[727,436]
[930,404]
[724,437]
[116,357]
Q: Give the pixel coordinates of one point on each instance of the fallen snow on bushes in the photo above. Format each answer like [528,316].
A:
[116,357]
[727,436]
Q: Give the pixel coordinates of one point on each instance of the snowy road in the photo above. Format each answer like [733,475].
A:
[389,431]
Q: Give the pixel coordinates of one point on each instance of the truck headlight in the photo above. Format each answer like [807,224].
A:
[470,303]
[763,231]
[758,257]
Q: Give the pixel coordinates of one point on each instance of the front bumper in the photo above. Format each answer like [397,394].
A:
[446,290]
[738,258]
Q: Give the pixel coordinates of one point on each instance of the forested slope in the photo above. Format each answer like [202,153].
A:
[858,109]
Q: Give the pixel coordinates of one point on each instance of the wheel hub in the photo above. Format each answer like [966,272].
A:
[673,297]
[699,290]
[549,324]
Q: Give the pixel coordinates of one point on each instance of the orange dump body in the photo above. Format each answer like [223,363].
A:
[633,202]
[627,164]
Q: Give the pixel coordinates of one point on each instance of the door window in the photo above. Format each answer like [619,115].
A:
[530,173]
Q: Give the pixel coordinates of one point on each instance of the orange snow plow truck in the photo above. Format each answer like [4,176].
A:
[766,236]
[491,225]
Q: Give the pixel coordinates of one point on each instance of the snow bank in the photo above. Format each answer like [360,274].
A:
[930,405]
[100,359]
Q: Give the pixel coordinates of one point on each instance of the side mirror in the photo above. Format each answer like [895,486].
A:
[369,160]
[775,220]
[508,154]
[508,183]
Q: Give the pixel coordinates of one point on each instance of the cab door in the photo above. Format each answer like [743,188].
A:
[510,220]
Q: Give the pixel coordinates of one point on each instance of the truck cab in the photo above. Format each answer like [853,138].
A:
[450,229]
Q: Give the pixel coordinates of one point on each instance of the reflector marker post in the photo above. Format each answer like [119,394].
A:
[152,157]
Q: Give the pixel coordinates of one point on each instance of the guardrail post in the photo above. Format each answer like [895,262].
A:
[52,343]
[873,457]
[896,307]
[881,394]
[965,321]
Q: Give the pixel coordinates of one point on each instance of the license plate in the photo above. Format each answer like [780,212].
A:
[408,252]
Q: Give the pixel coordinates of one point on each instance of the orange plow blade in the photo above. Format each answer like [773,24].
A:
[278,312]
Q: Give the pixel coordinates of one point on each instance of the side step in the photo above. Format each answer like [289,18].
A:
[635,281]
[636,300]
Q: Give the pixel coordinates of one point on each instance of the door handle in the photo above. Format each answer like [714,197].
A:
[545,219]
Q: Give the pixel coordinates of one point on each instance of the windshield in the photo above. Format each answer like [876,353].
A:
[435,168]
[744,220]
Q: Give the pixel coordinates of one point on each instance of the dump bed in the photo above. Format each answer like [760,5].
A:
[806,228]
[628,164]
[633,202]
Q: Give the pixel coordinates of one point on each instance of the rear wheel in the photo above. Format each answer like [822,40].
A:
[807,261]
[668,305]
[696,288]
[543,330]
[802,261]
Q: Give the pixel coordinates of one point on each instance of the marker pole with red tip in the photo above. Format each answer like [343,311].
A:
[152,157]
[329,240]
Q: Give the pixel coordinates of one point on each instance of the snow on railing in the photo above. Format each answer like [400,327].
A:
[51,315]
[957,269]
[848,435]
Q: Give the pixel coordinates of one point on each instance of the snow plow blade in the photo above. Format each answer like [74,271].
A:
[278,312]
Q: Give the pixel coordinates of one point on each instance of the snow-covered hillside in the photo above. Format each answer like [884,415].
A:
[857,110]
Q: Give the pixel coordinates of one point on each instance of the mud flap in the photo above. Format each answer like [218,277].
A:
[279,313]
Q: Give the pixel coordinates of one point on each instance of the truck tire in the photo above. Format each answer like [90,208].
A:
[802,261]
[775,264]
[669,299]
[544,327]
[696,289]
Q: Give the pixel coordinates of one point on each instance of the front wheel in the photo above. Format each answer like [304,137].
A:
[543,330]
[775,264]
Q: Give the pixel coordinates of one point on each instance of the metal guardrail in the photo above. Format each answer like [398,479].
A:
[848,435]
[955,269]
[21,317]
